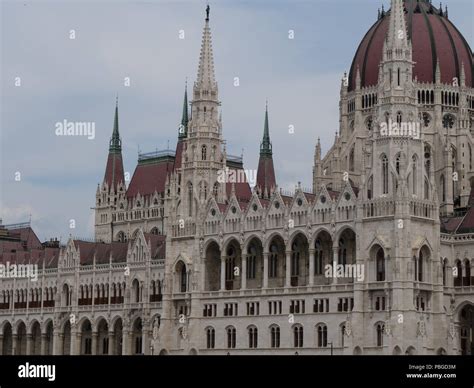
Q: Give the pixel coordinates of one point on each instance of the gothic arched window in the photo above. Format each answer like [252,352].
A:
[399,118]
[204,152]
[443,188]
[370,188]
[414,160]
[351,160]
[380,328]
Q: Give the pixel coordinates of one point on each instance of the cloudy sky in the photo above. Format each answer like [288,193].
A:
[46,78]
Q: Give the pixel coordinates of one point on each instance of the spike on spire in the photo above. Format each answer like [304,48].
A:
[183,128]
[114,173]
[205,77]
[397,33]
[266,145]
[266,180]
[115,142]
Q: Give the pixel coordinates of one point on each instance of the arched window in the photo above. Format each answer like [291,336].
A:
[190,199]
[318,258]
[398,76]
[384,174]
[397,163]
[380,264]
[444,265]
[322,331]
[136,291]
[295,260]
[275,337]
[470,156]
[231,337]
[210,338]
[443,188]
[458,274]
[380,329]
[466,280]
[420,267]
[427,189]
[342,332]
[183,282]
[230,264]
[399,118]
[351,160]
[342,252]
[370,188]
[298,336]
[204,152]
[251,262]
[215,189]
[253,337]
[414,161]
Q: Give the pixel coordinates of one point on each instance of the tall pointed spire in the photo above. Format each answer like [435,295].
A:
[115,144]
[266,145]
[266,180]
[397,32]
[183,128]
[205,78]
[114,174]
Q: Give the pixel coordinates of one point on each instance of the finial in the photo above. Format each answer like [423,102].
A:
[266,104]
[208,9]
[186,82]
[116,100]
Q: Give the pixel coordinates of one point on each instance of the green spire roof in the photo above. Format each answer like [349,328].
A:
[115,144]
[183,128]
[266,145]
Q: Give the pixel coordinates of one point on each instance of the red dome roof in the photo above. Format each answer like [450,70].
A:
[432,35]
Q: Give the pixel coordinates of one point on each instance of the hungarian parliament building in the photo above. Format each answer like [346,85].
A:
[187,260]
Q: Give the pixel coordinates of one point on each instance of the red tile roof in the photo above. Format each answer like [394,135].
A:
[149,177]
[114,171]
[266,180]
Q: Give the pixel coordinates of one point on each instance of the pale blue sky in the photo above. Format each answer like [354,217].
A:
[78,79]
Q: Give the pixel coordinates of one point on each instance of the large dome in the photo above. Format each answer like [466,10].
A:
[433,36]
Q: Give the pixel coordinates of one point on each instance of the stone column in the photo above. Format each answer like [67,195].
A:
[243,273]
[94,342]
[29,342]
[76,338]
[145,342]
[1,343]
[126,340]
[265,269]
[222,273]
[44,342]
[111,337]
[57,342]
[14,341]
[335,256]
[288,269]
[311,267]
